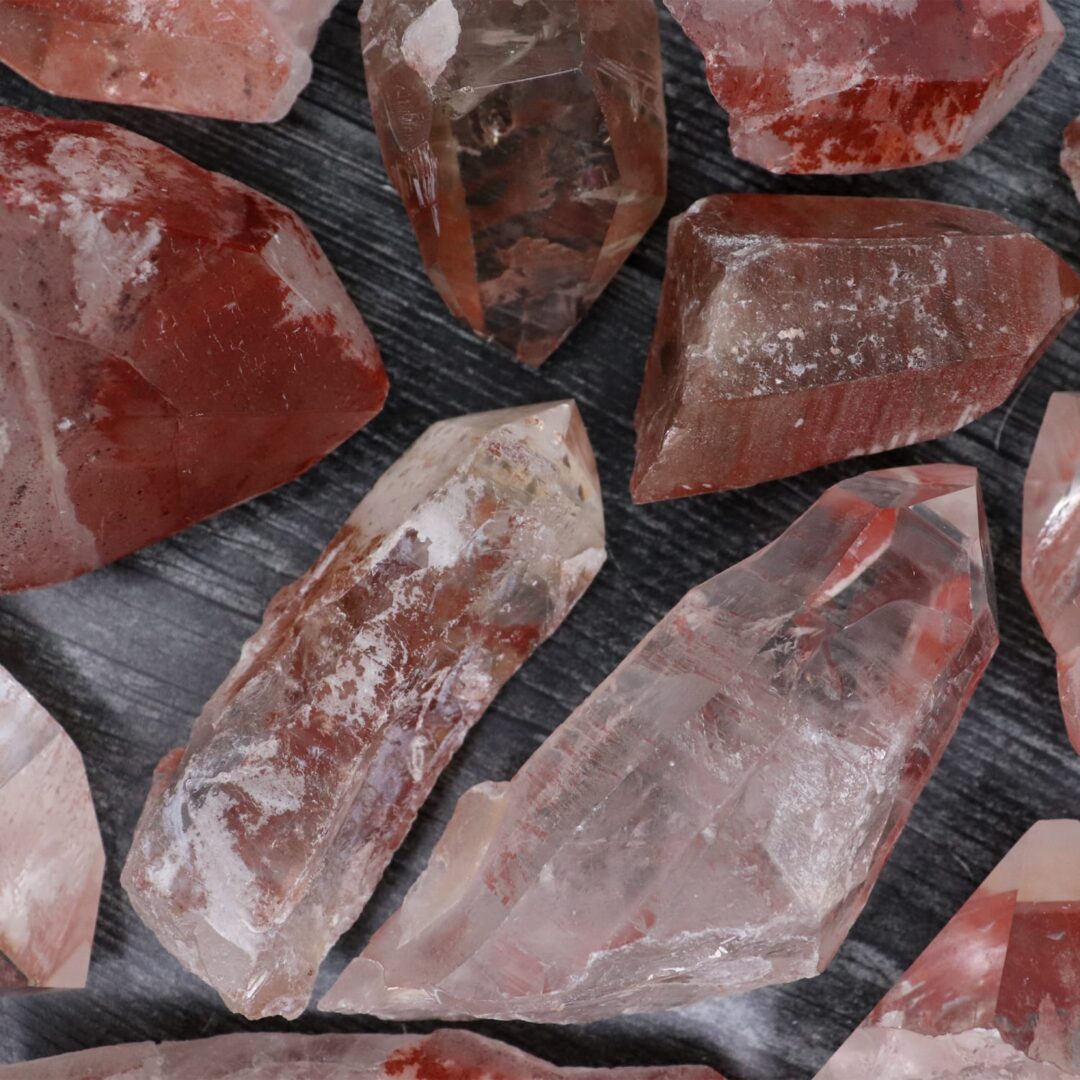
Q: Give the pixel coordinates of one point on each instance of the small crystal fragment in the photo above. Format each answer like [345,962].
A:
[995,996]
[171,343]
[797,331]
[1070,154]
[529,144]
[231,59]
[831,86]
[714,816]
[261,844]
[51,857]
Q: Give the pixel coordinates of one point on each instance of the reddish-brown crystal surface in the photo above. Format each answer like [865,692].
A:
[796,331]
[1070,154]
[171,343]
[529,144]
[830,86]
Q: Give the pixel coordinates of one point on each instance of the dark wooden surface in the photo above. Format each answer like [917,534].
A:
[126,657]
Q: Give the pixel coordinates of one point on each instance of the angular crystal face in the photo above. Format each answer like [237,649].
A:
[262,843]
[996,994]
[820,86]
[714,816]
[529,144]
[1070,154]
[796,331]
[51,858]
[232,59]
[173,343]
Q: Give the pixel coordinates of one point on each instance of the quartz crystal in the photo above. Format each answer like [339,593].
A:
[796,331]
[714,816]
[1070,154]
[51,857]
[233,59]
[996,996]
[529,144]
[444,1055]
[171,343]
[261,844]
[835,86]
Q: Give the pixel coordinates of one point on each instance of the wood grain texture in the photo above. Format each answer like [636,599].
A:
[126,657]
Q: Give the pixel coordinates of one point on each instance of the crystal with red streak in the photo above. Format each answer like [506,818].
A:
[171,343]
[835,86]
[529,144]
[996,995]
[51,857]
[797,331]
[443,1055]
[713,817]
[263,842]
[1070,154]
[232,59]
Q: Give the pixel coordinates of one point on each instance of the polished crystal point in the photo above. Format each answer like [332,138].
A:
[835,86]
[1070,154]
[529,144]
[172,344]
[996,995]
[262,843]
[795,331]
[51,857]
[714,816]
[232,59]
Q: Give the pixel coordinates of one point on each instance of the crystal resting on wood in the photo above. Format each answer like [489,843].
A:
[529,144]
[262,843]
[51,857]
[829,86]
[996,995]
[795,331]
[713,817]
[231,59]
[171,342]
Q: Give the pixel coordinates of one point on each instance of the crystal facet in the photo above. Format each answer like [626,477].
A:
[261,845]
[1070,154]
[171,343]
[714,816]
[996,996]
[51,857]
[831,86]
[796,331]
[529,144]
[232,59]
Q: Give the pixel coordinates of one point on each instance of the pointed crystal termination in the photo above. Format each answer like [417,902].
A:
[713,818]
[261,845]
[820,86]
[797,331]
[995,995]
[230,59]
[1070,154]
[51,858]
[529,144]
[173,343]
[443,1055]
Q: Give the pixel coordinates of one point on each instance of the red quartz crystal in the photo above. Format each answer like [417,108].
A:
[1070,154]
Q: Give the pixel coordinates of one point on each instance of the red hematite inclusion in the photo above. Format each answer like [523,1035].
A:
[834,86]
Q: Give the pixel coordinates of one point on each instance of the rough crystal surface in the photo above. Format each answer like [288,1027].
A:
[231,59]
[171,343]
[262,843]
[51,857]
[796,331]
[1070,154]
[829,86]
[713,817]
[996,996]
[529,144]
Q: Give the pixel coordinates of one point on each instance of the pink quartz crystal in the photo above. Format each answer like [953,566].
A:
[233,59]
[171,343]
[795,331]
[51,857]
[529,144]
[996,996]
[714,816]
[832,86]
[262,843]
[1070,154]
